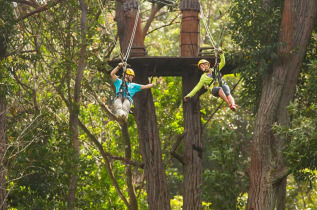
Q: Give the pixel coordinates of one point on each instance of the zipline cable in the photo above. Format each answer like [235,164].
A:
[214,44]
[132,36]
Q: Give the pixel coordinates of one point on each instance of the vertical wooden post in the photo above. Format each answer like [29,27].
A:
[191,109]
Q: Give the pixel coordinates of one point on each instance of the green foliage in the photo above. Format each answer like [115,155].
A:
[37,78]
[6,26]
[254,29]
[227,138]
[301,151]
[301,194]
[224,178]
[40,166]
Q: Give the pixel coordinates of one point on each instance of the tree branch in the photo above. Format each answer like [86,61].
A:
[154,10]
[172,21]
[41,9]
[103,152]
[280,174]
[103,106]
[26,2]
[179,138]
[107,163]
[26,87]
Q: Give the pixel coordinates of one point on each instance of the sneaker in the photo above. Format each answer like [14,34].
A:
[233,107]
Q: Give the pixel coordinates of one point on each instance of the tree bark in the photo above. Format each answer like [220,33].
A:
[74,111]
[3,113]
[278,90]
[126,20]
[150,145]
[191,112]
[133,205]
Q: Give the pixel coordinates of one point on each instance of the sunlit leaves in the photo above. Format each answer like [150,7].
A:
[254,29]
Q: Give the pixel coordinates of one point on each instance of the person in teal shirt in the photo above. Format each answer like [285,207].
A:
[124,94]
[208,77]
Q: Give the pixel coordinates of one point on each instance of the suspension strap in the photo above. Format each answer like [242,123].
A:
[123,90]
[212,41]
[207,28]
[217,75]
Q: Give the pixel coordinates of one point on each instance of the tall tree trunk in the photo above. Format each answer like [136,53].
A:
[268,168]
[3,113]
[74,108]
[191,112]
[133,205]
[150,145]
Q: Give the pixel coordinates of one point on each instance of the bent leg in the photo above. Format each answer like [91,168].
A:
[231,100]
[118,107]
[126,107]
[223,96]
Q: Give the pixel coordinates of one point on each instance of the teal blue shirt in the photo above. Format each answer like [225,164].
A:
[133,88]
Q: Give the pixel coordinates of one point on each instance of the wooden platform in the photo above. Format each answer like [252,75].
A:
[168,66]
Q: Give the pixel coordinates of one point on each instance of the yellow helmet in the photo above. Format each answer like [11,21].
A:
[202,61]
[130,72]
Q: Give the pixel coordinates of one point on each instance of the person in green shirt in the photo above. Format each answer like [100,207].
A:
[222,91]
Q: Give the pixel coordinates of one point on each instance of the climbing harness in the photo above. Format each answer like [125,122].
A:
[216,75]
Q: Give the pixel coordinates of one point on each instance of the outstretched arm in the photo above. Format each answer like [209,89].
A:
[143,87]
[194,91]
[157,82]
[114,71]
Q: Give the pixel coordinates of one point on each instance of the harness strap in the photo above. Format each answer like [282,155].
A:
[123,87]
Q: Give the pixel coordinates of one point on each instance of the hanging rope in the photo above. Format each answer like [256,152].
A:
[213,42]
[216,72]
[127,54]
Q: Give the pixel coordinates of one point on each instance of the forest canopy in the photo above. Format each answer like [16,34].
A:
[62,145]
